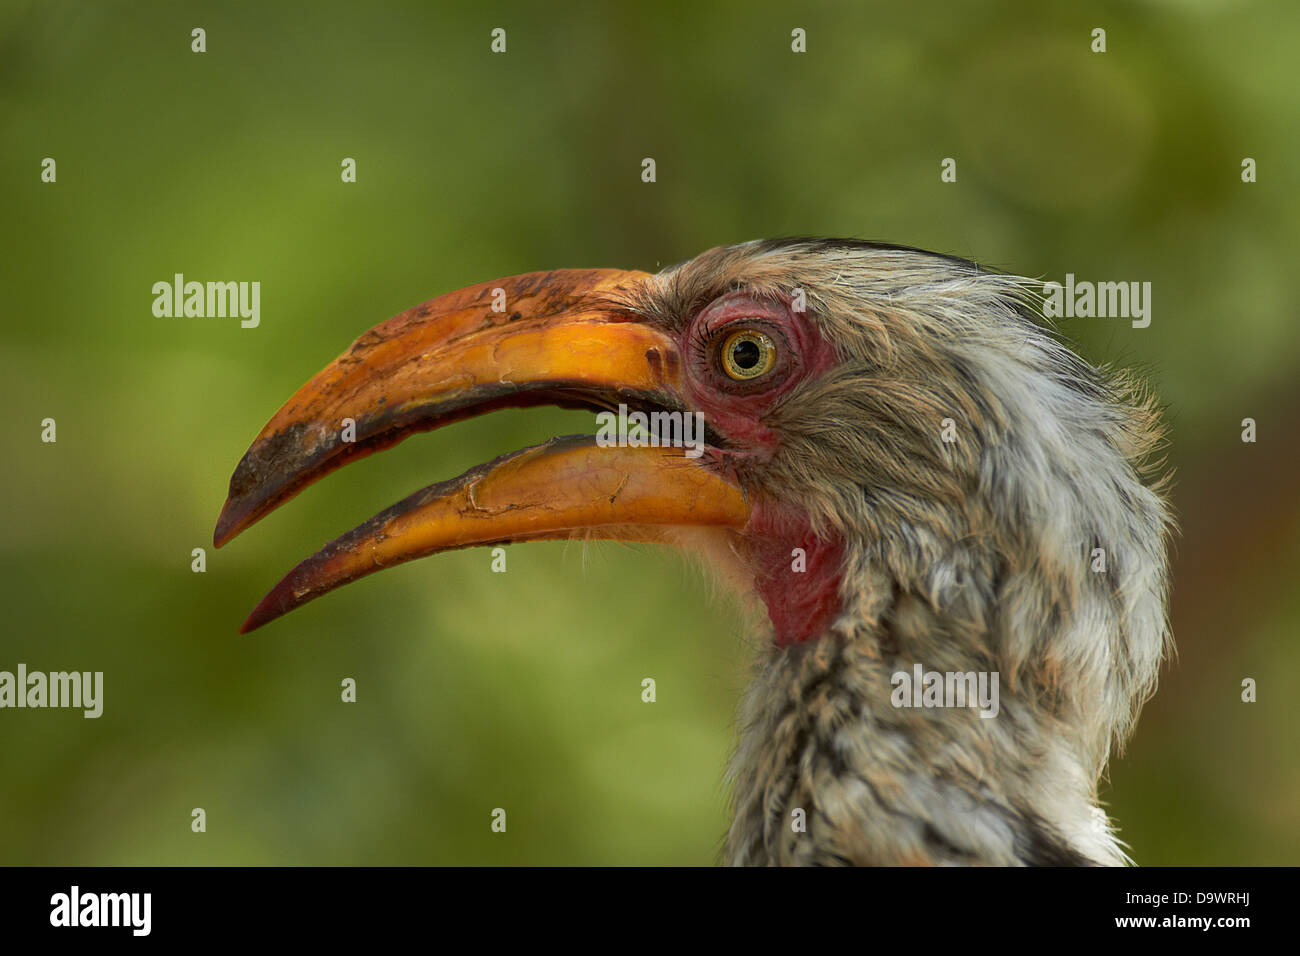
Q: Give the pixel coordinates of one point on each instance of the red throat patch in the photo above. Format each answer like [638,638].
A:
[796,573]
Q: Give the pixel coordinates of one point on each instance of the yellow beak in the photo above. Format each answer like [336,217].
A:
[560,338]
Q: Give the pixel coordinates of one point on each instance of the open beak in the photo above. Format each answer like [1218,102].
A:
[544,338]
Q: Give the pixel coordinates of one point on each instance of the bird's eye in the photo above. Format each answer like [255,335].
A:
[747,354]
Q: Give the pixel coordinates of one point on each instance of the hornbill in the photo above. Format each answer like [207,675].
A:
[903,465]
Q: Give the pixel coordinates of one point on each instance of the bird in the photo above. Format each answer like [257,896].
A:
[904,470]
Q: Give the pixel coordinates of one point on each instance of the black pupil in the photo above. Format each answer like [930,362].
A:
[745,354]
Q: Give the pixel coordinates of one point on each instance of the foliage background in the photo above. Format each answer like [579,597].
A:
[480,690]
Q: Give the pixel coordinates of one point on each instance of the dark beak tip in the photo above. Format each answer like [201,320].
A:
[292,591]
[227,525]
[265,612]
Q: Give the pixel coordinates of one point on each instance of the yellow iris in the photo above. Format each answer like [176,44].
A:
[747,354]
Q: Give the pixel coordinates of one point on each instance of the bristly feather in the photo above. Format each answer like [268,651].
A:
[965,556]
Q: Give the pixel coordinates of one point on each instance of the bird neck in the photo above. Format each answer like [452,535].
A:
[830,770]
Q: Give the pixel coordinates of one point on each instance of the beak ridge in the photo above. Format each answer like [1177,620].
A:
[538,338]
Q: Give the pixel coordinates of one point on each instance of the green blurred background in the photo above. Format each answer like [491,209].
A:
[522,690]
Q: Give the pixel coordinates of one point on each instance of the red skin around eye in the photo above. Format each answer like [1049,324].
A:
[801,604]
[738,413]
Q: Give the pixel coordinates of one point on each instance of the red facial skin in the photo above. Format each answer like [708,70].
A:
[736,409]
[800,604]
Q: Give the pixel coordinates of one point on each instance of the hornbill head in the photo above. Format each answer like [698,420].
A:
[899,462]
